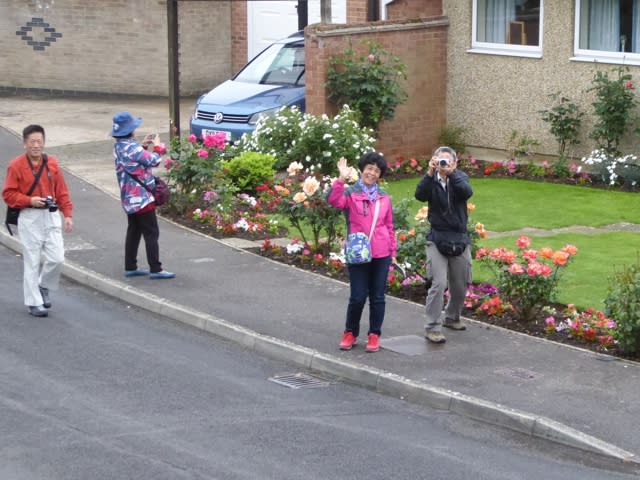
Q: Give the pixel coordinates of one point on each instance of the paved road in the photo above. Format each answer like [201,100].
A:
[103,390]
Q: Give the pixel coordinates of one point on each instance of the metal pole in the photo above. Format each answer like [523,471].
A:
[174,71]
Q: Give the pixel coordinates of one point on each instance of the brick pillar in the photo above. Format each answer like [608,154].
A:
[239,47]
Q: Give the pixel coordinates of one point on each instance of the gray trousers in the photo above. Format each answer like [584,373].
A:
[453,273]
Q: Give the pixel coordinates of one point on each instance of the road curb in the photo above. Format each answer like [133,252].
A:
[379,380]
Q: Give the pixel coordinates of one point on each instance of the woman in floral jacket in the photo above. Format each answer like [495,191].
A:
[366,279]
[133,169]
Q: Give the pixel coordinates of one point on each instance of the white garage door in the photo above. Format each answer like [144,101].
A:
[268,21]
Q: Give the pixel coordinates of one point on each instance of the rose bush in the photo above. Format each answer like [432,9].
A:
[301,198]
[526,278]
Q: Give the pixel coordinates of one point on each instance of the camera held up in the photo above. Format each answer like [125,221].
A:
[443,162]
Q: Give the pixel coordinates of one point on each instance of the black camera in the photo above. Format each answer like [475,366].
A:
[50,204]
[443,162]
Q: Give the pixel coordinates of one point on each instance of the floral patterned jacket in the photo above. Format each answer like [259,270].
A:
[131,157]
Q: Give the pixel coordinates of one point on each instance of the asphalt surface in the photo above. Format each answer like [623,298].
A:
[540,388]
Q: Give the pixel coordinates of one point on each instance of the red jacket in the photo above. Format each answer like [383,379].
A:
[359,211]
[51,183]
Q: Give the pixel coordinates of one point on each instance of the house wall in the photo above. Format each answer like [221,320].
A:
[114,46]
[421,46]
[492,95]
[239,35]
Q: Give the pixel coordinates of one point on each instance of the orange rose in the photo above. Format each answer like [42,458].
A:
[470,207]
[402,237]
[570,249]
[546,252]
[560,258]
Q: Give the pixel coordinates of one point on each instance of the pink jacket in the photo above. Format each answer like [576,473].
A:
[358,210]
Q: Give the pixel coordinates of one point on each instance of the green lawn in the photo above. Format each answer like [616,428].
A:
[504,205]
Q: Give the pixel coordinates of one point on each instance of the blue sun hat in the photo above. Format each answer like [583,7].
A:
[124,123]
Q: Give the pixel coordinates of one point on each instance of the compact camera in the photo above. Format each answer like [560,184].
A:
[443,162]
[50,204]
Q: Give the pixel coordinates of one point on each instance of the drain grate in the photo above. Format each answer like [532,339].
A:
[520,373]
[299,380]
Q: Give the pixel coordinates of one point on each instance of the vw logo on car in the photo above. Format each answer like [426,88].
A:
[218,117]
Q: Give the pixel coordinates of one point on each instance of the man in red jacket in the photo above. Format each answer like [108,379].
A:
[39,225]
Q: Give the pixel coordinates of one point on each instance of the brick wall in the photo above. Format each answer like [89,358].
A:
[400,9]
[421,46]
[111,46]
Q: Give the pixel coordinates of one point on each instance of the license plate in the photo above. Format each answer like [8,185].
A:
[227,135]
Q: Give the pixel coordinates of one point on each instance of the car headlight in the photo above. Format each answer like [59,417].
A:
[194,114]
[265,113]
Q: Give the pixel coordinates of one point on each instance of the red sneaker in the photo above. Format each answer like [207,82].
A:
[373,345]
[348,341]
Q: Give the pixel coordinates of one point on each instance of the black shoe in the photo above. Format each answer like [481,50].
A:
[46,301]
[38,311]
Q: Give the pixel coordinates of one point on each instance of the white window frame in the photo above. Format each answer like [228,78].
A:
[530,51]
[598,56]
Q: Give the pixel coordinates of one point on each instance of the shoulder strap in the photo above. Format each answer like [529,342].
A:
[36,179]
[375,218]
[139,181]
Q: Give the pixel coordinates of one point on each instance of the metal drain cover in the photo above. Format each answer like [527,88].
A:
[299,380]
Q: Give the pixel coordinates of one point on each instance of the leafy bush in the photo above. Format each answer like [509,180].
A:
[368,83]
[623,305]
[293,136]
[454,137]
[614,105]
[249,169]
[564,119]
[527,279]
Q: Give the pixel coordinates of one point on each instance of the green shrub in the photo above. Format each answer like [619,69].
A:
[622,304]
[369,83]
[454,137]
[249,169]
[564,119]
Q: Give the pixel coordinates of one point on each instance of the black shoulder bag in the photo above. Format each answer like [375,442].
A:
[12,212]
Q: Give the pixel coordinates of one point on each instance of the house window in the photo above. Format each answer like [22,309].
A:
[507,27]
[608,30]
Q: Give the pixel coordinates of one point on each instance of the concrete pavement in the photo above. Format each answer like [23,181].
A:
[530,385]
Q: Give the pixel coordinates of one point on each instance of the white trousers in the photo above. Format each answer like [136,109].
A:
[40,233]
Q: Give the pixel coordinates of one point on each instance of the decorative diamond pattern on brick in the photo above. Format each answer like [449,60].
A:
[38,34]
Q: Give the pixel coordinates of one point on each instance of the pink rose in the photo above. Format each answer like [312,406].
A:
[192,138]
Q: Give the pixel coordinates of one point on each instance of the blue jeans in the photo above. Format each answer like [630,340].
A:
[367,280]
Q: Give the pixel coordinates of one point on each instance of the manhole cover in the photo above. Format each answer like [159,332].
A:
[520,373]
[406,345]
[299,380]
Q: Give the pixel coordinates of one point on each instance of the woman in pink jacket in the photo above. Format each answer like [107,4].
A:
[366,279]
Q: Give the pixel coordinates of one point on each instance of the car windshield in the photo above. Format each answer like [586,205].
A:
[279,64]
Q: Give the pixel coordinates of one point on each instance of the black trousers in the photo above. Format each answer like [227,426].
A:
[142,225]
